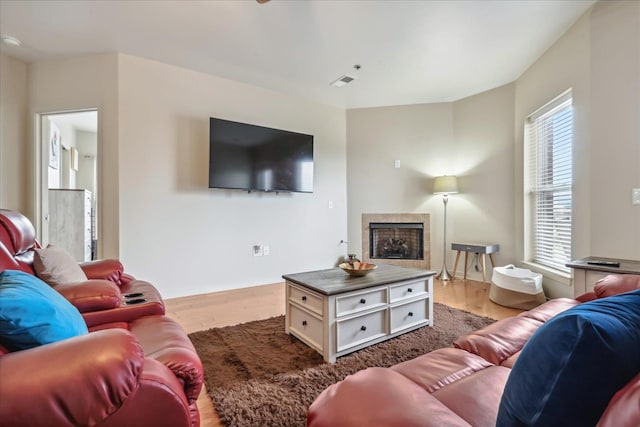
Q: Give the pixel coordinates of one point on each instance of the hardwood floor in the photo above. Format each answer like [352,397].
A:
[199,312]
[471,296]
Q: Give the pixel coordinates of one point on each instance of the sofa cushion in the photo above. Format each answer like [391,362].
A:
[32,313]
[379,397]
[439,368]
[476,398]
[500,340]
[91,295]
[574,364]
[55,266]
[546,311]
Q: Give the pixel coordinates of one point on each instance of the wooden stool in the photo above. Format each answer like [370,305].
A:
[477,248]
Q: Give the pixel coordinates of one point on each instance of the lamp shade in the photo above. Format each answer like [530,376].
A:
[445,185]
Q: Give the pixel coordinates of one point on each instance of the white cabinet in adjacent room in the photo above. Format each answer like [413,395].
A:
[70,224]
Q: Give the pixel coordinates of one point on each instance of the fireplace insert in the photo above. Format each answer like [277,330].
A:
[396,240]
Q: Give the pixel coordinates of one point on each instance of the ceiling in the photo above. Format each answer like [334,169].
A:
[410,52]
[86,121]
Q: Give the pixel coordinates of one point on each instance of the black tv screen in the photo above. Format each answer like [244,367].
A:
[257,158]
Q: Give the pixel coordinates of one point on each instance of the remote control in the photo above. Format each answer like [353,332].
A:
[604,263]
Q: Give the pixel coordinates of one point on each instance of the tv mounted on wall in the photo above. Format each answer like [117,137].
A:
[256,158]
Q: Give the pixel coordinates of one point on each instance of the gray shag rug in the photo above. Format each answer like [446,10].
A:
[257,375]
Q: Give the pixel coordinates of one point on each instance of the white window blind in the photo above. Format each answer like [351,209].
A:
[550,167]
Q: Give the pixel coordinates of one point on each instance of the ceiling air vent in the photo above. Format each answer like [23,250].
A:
[343,80]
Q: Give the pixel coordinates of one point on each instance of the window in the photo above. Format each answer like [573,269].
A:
[548,161]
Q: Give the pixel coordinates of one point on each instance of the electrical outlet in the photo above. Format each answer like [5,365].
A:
[257,250]
[265,250]
[635,196]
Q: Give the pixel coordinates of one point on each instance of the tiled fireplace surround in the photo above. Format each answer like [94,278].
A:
[422,218]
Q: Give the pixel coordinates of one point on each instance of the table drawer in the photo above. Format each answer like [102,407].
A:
[360,329]
[409,314]
[408,290]
[306,299]
[306,326]
[351,303]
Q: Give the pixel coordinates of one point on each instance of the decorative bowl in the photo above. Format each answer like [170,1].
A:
[358,268]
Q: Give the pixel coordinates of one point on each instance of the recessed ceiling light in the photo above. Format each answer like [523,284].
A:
[341,81]
[11,41]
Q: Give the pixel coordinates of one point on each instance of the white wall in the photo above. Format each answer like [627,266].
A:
[156,211]
[13,127]
[189,239]
[599,58]
[81,83]
[471,138]
[421,137]
[615,130]
[86,143]
[160,123]
[564,66]
[485,212]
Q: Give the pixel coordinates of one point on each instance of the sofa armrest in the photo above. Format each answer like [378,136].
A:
[91,295]
[164,340]
[158,401]
[78,381]
[106,269]
[623,410]
[187,368]
[615,284]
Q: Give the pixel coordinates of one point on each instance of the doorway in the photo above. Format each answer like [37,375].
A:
[68,193]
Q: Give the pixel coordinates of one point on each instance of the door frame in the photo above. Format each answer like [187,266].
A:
[41,182]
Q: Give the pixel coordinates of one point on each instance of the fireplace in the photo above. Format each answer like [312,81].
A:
[398,239]
[389,240]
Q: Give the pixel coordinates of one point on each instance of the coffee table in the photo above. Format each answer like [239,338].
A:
[336,314]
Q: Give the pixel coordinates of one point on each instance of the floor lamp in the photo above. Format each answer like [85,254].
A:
[445,185]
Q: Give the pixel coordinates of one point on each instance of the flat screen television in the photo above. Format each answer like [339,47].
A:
[256,158]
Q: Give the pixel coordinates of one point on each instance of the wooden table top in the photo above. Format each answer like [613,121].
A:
[481,248]
[626,266]
[335,281]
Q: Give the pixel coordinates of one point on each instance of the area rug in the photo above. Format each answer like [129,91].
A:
[257,375]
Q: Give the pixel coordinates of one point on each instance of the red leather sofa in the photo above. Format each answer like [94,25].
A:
[462,385]
[136,367]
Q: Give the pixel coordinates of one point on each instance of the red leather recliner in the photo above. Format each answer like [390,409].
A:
[136,367]
[101,299]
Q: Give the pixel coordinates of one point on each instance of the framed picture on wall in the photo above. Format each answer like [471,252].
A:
[54,147]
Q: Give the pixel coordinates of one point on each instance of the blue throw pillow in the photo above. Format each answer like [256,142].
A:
[573,365]
[32,313]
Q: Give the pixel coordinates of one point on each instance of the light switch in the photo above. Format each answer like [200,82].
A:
[635,196]
[397,164]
